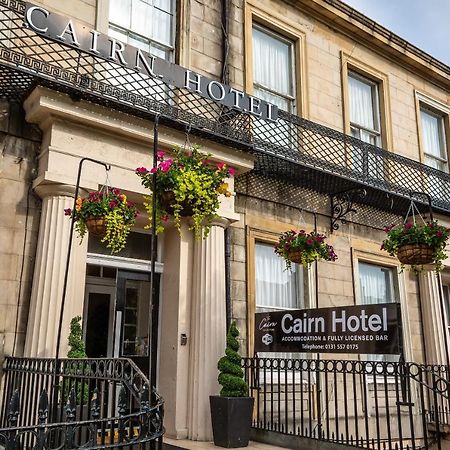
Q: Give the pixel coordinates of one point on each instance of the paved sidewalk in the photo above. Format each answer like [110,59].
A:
[196,445]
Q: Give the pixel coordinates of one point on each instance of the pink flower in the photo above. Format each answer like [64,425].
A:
[160,154]
[309,242]
[439,234]
[165,218]
[113,204]
[165,165]
[67,212]
[408,226]
[153,170]
[220,166]
[130,204]
[115,191]
[142,170]
[231,171]
[205,162]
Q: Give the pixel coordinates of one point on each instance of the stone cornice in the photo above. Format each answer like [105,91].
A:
[357,26]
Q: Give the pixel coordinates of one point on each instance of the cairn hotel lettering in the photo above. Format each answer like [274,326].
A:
[67,31]
[369,329]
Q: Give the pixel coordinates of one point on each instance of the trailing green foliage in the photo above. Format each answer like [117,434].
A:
[76,344]
[195,184]
[231,375]
[118,213]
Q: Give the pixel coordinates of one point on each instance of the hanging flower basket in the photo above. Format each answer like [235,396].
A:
[167,200]
[187,184]
[415,254]
[295,256]
[303,248]
[417,244]
[96,226]
[106,213]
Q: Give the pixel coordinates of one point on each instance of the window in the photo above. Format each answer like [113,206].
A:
[378,284]
[275,287]
[273,69]
[433,139]
[146,24]
[364,109]
[273,81]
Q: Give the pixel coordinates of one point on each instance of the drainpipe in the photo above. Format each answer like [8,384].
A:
[225,79]
[228,306]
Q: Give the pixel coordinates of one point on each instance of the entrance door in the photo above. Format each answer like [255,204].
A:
[99,319]
[136,319]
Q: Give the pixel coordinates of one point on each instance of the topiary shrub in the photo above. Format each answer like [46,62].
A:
[231,376]
[77,348]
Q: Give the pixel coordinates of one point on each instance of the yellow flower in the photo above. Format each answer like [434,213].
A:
[223,188]
[78,203]
[123,197]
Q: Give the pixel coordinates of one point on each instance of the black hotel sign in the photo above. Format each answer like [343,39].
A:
[364,329]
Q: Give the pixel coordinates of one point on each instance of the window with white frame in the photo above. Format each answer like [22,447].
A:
[433,139]
[378,284]
[364,109]
[146,24]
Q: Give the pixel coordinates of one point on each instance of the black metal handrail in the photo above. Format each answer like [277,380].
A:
[372,404]
[283,149]
[78,403]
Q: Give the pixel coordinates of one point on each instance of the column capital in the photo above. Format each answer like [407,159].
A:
[221,222]
[56,189]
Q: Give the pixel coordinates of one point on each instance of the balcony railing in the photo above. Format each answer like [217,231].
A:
[292,149]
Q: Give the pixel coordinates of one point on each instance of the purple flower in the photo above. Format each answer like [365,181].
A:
[113,204]
[67,212]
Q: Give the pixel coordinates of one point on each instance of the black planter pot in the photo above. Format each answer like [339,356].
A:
[231,420]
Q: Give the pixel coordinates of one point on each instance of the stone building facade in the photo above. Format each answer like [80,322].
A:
[331,53]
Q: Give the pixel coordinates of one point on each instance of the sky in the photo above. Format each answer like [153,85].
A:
[424,23]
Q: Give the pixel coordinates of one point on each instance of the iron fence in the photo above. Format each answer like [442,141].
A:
[292,149]
[78,403]
[375,404]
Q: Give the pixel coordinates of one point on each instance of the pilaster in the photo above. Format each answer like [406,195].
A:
[435,332]
[51,257]
[208,328]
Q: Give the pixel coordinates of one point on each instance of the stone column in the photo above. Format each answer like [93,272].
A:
[48,278]
[435,333]
[208,328]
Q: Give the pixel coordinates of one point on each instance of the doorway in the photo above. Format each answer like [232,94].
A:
[119,320]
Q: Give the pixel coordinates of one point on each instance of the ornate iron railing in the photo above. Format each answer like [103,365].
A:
[293,149]
[376,405]
[78,403]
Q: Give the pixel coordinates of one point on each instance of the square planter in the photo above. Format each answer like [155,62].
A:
[231,420]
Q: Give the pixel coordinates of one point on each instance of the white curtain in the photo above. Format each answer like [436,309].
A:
[361,103]
[272,65]
[375,284]
[276,288]
[433,140]
[120,13]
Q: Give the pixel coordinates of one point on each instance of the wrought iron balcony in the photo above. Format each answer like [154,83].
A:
[294,150]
